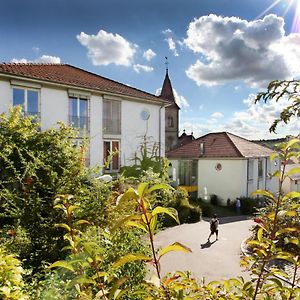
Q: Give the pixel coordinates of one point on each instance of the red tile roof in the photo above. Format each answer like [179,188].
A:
[220,145]
[73,76]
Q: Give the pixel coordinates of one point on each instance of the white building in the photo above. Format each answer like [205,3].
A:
[225,165]
[291,182]
[112,115]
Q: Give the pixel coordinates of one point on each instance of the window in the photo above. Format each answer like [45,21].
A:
[109,148]
[260,168]
[28,99]
[78,113]
[188,172]
[111,117]
[170,122]
[250,169]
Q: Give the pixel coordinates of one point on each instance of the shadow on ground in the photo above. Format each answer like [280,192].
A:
[207,244]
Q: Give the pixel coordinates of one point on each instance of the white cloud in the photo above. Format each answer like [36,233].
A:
[138,68]
[252,123]
[181,101]
[48,59]
[149,54]
[106,48]
[217,115]
[19,61]
[232,49]
[171,41]
[44,59]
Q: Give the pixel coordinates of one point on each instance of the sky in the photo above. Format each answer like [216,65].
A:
[221,53]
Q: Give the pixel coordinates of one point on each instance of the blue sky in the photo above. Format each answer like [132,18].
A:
[220,52]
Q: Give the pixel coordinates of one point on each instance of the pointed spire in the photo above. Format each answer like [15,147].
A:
[167,90]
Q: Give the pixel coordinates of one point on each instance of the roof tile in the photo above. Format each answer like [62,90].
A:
[73,76]
[220,145]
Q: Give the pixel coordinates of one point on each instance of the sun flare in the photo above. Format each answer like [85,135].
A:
[288,5]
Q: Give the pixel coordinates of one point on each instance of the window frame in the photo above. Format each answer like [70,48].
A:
[110,169]
[26,89]
[106,130]
[260,168]
[78,98]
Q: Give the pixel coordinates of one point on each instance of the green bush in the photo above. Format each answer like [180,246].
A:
[11,281]
[250,205]
[35,167]
[214,199]
[206,207]
[187,212]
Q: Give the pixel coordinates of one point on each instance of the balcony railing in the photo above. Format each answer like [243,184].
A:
[80,123]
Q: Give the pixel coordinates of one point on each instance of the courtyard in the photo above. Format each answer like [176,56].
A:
[216,260]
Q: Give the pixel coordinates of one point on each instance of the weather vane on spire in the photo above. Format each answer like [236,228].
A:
[167,64]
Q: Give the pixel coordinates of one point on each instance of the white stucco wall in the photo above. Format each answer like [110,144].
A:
[5,96]
[54,107]
[229,182]
[133,128]
[96,141]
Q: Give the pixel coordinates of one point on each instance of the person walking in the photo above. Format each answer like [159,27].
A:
[214,225]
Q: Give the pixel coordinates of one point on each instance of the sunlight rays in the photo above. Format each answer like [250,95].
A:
[289,4]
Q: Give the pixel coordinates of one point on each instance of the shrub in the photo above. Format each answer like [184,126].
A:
[250,205]
[187,211]
[35,167]
[206,207]
[214,199]
[11,281]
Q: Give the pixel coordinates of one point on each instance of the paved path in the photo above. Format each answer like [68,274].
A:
[216,261]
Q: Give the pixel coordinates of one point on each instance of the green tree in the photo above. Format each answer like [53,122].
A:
[35,166]
[279,89]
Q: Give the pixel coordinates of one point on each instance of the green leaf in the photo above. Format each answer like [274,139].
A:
[294,241]
[174,247]
[291,213]
[293,171]
[130,258]
[160,186]
[71,208]
[124,221]
[259,234]
[273,156]
[291,195]
[277,281]
[142,189]
[172,212]
[81,222]
[291,143]
[264,193]
[129,195]
[137,225]
[62,264]
[286,230]
[63,225]
[82,279]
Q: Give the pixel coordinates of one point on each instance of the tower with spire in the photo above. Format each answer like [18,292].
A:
[171,113]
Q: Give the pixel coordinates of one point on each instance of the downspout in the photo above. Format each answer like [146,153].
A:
[247,182]
[159,137]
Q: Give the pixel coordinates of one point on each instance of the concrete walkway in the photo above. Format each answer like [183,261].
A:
[213,261]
